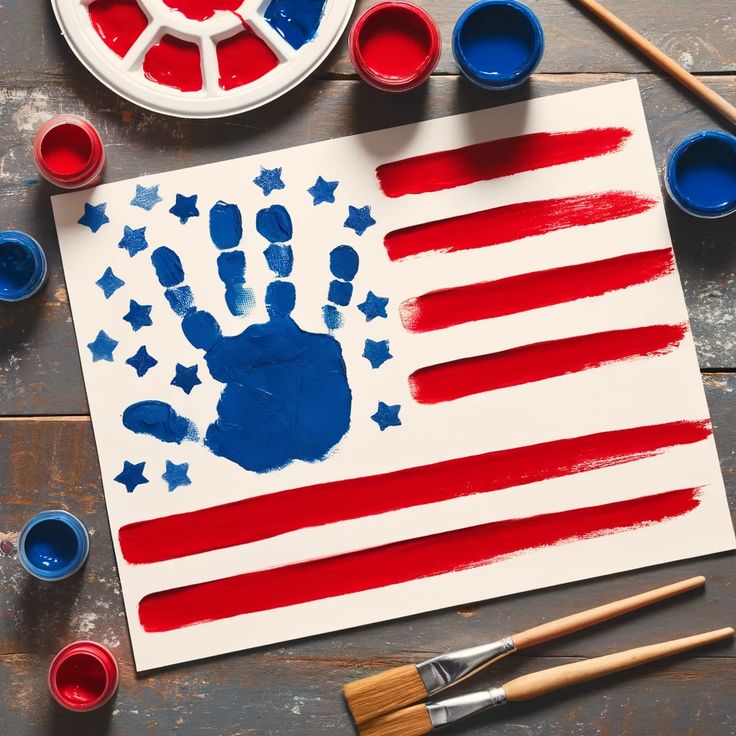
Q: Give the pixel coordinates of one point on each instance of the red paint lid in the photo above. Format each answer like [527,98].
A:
[83,676]
[395,46]
[69,151]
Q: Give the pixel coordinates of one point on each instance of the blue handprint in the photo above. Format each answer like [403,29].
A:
[286,395]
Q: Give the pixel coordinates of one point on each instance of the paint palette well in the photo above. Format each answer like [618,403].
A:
[202,58]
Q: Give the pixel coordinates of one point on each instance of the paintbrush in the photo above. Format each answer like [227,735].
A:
[425,718]
[661,59]
[387,691]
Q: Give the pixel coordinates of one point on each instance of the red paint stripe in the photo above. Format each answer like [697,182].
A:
[401,562]
[494,159]
[513,222]
[538,361]
[437,310]
[263,517]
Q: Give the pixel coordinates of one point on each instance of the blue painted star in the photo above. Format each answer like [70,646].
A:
[133,240]
[109,283]
[376,352]
[139,315]
[323,191]
[131,476]
[146,197]
[176,475]
[269,179]
[373,306]
[359,219]
[102,346]
[185,207]
[94,216]
[141,361]
[387,415]
[186,378]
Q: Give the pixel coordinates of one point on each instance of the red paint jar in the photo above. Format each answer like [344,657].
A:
[395,46]
[69,152]
[83,676]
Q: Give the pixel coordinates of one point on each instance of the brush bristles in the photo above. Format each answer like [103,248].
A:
[413,721]
[378,694]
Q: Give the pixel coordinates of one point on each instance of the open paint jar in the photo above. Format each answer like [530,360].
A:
[53,545]
[83,676]
[69,152]
[201,58]
[395,46]
[22,266]
[701,174]
[498,43]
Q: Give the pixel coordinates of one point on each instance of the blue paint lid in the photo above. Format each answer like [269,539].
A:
[498,43]
[53,545]
[22,266]
[700,176]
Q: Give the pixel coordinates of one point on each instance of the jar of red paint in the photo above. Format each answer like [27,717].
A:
[69,152]
[395,46]
[83,676]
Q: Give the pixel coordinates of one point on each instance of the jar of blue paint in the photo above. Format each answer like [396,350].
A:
[22,266]
[701,174]
[53,545]
[498,43]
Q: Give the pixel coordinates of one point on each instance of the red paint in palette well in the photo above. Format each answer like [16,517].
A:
[513,222]
[174,62]
[392,564]
[202,9]
[243,58]
[433,172]
[538,361]
[273,514]
[443,308]
[118,23]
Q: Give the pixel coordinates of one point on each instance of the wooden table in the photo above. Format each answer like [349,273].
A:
[47,453]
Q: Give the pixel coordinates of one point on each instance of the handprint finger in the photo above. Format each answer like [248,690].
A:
[159,419]
[344,262]
[199,327]
[226,232]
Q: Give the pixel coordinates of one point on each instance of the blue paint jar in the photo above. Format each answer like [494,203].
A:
[22,266]
[498,43]
[53,545]
[701,174]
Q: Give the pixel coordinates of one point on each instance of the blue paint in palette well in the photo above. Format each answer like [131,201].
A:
[53,545]
[22,266]
[498,43]
[296,21]
[701,174]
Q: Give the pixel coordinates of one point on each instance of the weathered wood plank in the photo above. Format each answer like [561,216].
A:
[699,35]
[39,365]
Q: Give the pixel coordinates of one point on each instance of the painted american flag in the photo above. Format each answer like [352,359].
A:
[390,373]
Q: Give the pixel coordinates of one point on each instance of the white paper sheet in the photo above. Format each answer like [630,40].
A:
[632,393]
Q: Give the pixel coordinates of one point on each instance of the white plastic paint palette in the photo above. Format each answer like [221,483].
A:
[202,58]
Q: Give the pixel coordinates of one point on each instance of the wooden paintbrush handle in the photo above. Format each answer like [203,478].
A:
[547,681]
[661,59]
[577,621]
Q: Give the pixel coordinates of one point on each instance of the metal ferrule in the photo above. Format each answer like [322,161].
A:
[447,669]
[444,712]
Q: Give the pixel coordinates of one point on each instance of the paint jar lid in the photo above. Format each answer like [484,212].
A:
[69,152]
[53,545]
[395,45]
[498,43]
[83,676]
[269,24]
[22,266]
[700,176]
